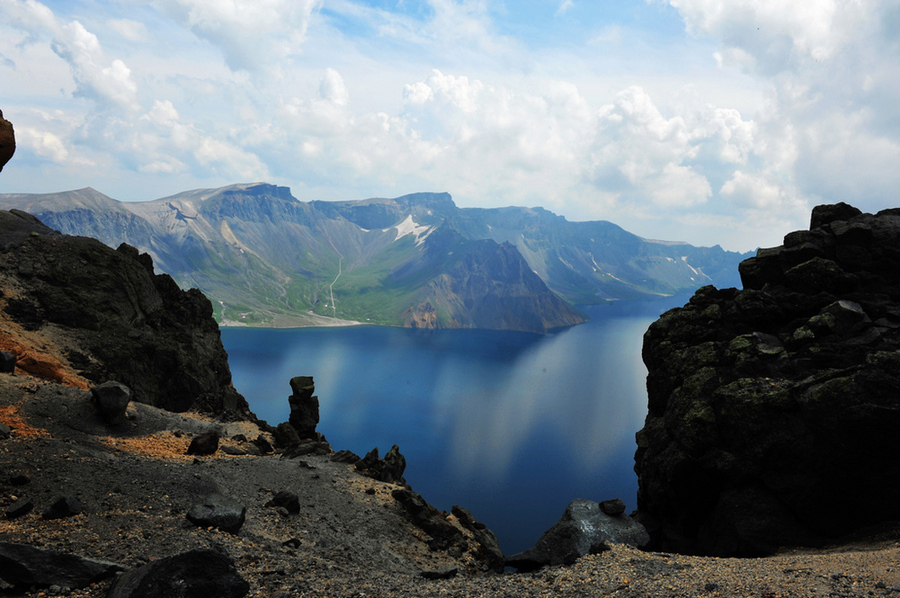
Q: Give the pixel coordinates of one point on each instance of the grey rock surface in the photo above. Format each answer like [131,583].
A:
[583,529]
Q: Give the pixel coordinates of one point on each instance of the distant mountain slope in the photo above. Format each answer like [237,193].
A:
[266,258]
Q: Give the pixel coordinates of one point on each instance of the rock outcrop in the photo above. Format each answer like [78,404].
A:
[23,566]
[773,410]
[111,318]
[584,528]
[7,141]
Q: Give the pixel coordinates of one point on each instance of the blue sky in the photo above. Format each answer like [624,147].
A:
[709,121]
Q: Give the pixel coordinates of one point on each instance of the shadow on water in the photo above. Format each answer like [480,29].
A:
[511,425]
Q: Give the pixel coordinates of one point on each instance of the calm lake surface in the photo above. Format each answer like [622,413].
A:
[512,426]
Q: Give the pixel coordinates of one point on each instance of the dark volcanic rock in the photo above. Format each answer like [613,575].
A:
[111,399]
[390,469]
[774,407]
[21,507]
[204,444]
[199,573]
[7,141]
[583,529]
[66,506]
[115,319]
[7,362]
[286,500]
[304,415]
[25,566]
[218,512]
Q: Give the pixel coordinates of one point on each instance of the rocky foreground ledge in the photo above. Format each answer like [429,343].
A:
[774,410]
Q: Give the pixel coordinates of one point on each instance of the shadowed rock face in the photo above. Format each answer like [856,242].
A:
[7,141]
[773,410]
[114,319]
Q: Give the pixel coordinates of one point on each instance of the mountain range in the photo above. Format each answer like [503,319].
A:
[266,258]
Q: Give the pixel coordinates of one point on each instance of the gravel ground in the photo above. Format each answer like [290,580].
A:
[350,539]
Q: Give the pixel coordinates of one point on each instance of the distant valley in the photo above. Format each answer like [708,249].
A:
[267,259]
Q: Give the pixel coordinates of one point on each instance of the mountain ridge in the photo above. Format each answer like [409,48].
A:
[267,258]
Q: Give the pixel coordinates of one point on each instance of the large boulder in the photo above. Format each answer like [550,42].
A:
[584,528]
[7,141]
[23,566]
[773,410]
[218,512]
[198,573]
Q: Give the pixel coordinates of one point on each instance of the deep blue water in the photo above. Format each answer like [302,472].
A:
[512,426]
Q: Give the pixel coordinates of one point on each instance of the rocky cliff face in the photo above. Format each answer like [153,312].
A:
[774,410]
[109,317]
[7,141]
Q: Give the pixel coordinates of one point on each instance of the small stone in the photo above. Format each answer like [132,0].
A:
[67,506]
[7,362]
[613,507]
[448,573]
[19,508]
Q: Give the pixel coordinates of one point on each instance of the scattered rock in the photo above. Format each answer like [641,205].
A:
[7,362]
[773,407]
[67,506]
[5,431]
[390,469]
[345,456]
[424,516]
[613,507]
[204,444]
[285,435]
[111,400]
[583,529]
[287,500]
[448,573]
[263,445]
[198,573]
[488,550]
[19,508]
[24,566]
[218,512]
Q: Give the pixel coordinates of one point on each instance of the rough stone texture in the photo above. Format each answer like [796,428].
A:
[111,399]
[218,512]
[286,500]
[304,415]
[66,506]
[7,362]
[583,529]
[114,319]
[7,141]
[773,408]
[199,573]
[390,469]
[26,566]
[204,444]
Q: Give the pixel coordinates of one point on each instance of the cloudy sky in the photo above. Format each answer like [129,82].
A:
[710,121]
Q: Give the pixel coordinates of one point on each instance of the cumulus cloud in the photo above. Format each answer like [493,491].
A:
[109,82]
[250,33]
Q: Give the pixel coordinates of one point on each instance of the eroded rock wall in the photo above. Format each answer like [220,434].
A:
[110,317]
[774,410]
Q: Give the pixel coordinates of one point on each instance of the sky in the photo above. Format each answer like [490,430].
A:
[716,122]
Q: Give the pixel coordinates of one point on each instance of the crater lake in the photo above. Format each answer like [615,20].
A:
[513,426]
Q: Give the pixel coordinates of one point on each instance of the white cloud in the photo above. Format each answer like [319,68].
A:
[251,34]
[42,143]
[96,77]
[333,89]
[564,7]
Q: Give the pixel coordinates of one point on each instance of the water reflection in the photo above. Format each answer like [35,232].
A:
[510,425]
